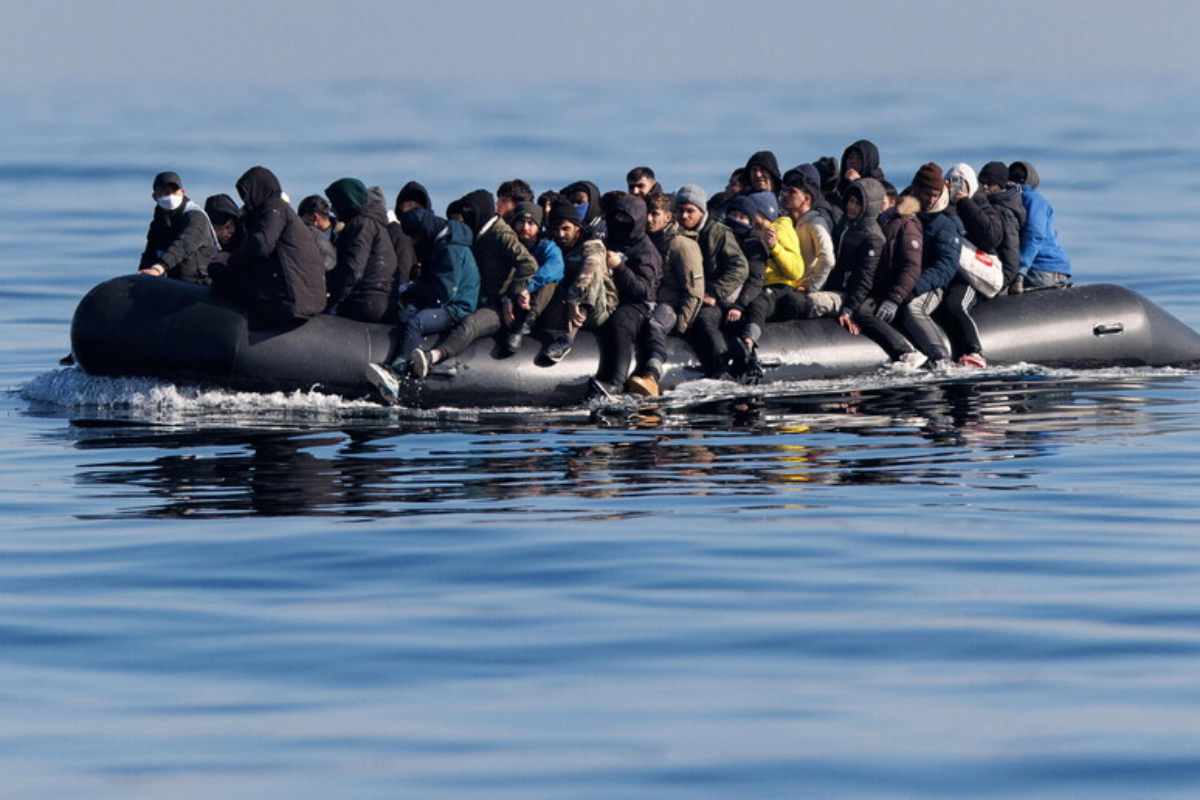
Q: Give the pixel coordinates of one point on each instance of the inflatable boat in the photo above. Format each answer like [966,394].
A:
[137,325]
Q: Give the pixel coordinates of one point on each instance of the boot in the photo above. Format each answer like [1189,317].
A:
[644,384]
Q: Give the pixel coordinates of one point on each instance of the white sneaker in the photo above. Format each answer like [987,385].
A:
[942,365]
[913,360]
[385,381]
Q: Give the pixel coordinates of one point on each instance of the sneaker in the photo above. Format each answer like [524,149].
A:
[598,390]
[385,381]
[941,365]
[643,385]
[972,360]
[418,363]
[913,360]
[557,350]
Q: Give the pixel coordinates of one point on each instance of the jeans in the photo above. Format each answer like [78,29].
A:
[654,338]
[1037,279]
[927,334]
[418,323]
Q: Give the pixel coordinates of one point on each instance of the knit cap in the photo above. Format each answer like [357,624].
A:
[692,193]
[530,209]
[929,178]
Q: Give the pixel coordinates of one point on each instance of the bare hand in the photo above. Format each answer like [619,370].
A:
[506,312]
[523,299]
[733,315]
[852,175]
[578,316]
[709,300]
[154,270]
[614,259]
[847,322]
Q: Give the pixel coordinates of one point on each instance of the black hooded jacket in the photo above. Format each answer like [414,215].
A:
[765,159]
[1012,215]
[638,277]
[285,270]
[182,241]
[860,247]
[413,191]
[869,154]
[595,216]
[363,283]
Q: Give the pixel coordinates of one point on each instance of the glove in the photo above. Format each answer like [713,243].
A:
[887,311]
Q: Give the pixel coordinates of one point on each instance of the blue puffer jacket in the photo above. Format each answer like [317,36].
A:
[1040,250]
[550,265]
[941,250]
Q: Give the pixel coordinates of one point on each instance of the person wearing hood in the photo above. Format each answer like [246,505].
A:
[402,244]
[363,282]
[1043,259]
[637,271]
[444,294]
[527,223]
[278,269]
[941,248]
[587,294]
[1005,197]
[858,251]
[878,284]
[762,173]
[680,294]
[825,213]
[508,194]
[829,172]
[316,214]
[859,160]
[180,242]
[412,195]
[505,267]
[983,227]
[226,218]
[725,271]
[768,238]
[816,241]
[585,196]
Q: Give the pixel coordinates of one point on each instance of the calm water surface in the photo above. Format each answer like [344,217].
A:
[891,587]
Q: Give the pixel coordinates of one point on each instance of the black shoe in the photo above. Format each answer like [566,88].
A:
[557,350]
[753,372]
[512,342]
[419,363]
[598,390]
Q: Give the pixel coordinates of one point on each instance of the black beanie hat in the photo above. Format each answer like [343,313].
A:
[994,173]
[527,208]
[563,209]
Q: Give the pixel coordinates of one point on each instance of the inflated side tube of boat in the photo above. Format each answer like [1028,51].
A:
[137,325]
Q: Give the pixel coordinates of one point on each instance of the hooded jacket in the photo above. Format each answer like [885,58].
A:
[903,253]
[1009,205]
[765,159]
[725,265]
[816,247]
[869,154]
[639,275]
[505,265]
[682,286]
[182,240]
[362,284]
[413,191]
[941,249]
[549,257]
[449,278]
[595,213]
[1040,250]
[783,263]
[860,247]
[287,274]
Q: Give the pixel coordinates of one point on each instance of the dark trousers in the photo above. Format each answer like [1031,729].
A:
[777,301]
[956,313]
[418,323]
[925,332]
[708,339]
[482,322]
[880,332]
[619,337]
[652,353]
[371,307]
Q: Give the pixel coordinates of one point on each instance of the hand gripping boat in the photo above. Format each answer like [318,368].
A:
[142,326]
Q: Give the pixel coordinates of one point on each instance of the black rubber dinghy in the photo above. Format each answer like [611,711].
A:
[137,325]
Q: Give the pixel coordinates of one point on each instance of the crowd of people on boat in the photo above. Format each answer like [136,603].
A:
[832,238]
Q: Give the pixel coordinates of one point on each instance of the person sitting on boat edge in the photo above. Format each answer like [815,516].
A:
[226,218]
[527,223]
[1043,259]
[983,227]
[180,241]
[768,239]
[941,249]
[509,194]
[445,293]
[362,284]
[879,284]
[824,213]
[859,249]
[412,195]
[585,196]
[402,245]
[316,214]
[641,182]
[725,270]
[809,211]
[278,271]
[504,266]
[637,270]
[680,293]
[586,295]
[1005,197]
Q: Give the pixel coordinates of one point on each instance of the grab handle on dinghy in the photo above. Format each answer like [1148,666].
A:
[1108,328]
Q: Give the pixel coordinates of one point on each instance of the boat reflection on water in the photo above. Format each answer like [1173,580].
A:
[982,434]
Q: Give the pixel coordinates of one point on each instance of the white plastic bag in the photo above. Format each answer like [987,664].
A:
[982,270]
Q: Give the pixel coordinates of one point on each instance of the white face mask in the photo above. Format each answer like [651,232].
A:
[171,202]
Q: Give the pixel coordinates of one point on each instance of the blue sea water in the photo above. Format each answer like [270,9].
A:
[899,586]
